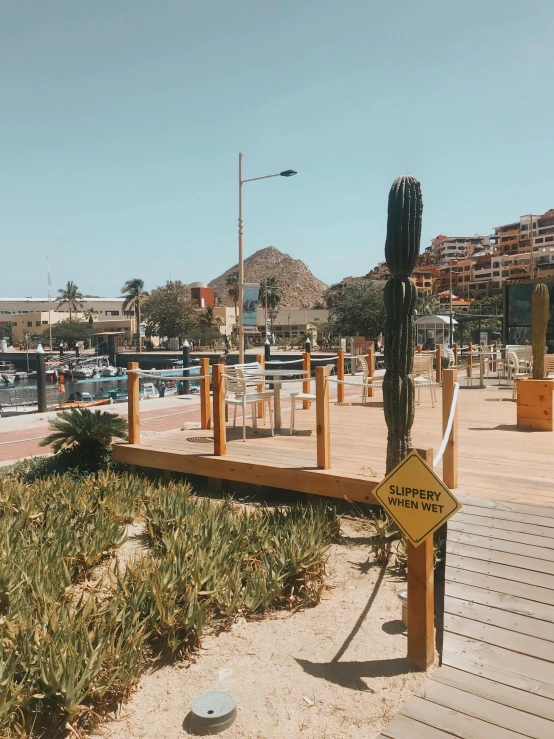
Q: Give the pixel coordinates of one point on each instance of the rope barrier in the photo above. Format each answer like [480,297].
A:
[284,361]
[156,375]
[448,425]
[324,359]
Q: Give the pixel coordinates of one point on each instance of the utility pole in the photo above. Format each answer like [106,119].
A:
[49,301]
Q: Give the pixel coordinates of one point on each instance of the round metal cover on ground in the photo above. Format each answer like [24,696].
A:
[212,712]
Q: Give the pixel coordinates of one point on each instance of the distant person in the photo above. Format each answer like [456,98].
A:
[77,349]
[161,389]
[61,348]
[180,387]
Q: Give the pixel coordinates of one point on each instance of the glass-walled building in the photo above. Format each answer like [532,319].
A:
[517,309]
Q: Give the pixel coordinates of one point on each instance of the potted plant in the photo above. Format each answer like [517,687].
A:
[534,395]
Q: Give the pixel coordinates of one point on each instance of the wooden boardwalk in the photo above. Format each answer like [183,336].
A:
[497,676]
[496,460]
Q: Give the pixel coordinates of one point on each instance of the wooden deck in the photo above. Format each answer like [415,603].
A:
[497,676]
[496,460]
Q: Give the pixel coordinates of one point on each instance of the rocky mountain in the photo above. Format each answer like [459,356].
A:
[299,288]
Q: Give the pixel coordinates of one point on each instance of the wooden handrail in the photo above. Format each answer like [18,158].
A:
[438,363]
[261,387]
[450,457]
[306,365]
[205,411]
[133,400]
[323,429]
[340,376]
[371,369]
[218,383]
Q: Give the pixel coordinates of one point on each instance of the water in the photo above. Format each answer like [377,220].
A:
[25,392]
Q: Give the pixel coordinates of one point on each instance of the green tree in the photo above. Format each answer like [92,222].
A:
[135,294]
[318,305]
[170,311]
[331,297]
[69,331]
[209,319]
[232,284]
[488,305]
[361,311]
[425,303]
[71,296]
[270,298]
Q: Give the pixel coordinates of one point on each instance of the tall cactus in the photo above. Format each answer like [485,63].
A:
[401,252]
[540,304]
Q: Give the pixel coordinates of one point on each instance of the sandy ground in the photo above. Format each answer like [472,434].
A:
[336,671]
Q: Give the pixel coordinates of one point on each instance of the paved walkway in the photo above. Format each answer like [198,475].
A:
[497,676]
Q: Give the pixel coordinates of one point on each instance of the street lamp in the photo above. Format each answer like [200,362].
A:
[284,173]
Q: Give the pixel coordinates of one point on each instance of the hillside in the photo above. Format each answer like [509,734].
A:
[299,288]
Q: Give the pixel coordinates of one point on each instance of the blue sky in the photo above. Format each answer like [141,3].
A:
[121,123]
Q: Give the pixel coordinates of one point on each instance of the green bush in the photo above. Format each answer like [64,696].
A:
[68,651]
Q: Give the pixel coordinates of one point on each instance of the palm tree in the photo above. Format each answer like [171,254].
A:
[232,282]
[70,295]
[425,303]
[270,296]
[209,319]
[134,295]
[90,432]
[90,315]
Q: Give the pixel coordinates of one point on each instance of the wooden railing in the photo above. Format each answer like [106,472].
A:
[323,426]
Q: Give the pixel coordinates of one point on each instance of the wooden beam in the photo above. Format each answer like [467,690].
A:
[306,365]
[371,369]
[340,376]
[220,438]
[450,458]
[322,418]
[133,384]
[421,620]
[330,483]
[261,387]
[205,411]
[438,363]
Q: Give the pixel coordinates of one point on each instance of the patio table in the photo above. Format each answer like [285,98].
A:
[276,373]
[482,356]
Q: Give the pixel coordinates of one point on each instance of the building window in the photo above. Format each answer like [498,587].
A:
[37,323]
[112,312]
[45,323]
[30,324]
[496,274]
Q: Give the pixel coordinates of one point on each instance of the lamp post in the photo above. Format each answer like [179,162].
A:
[285,173]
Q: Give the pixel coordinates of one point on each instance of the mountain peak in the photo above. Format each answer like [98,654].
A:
[298,286]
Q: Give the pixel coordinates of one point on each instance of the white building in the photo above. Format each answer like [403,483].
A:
[105,307]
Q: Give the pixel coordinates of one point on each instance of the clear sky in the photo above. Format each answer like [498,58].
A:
[121,123]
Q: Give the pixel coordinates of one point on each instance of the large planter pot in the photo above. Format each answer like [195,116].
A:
[534,404]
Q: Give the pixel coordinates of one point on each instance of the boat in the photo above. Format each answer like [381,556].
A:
[17,410]
[7,379]
[82,400]
[110,371]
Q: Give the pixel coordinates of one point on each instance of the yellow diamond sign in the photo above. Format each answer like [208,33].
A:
[416,498]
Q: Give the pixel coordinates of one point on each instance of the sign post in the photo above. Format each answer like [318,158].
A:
[420,503]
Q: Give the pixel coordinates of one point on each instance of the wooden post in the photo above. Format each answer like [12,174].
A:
[133,383]
[220,439]
[306,365]
[371,370]
[450,458]
[340,376]
[261,386]
[438,363]
[494,365]
[469,360]
[205,414]
[421,611]
[322,418]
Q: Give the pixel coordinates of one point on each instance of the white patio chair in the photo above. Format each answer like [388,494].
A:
[294,397]
[515,371]
[423,375]
[365,377]
[243,392]
[548,364]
